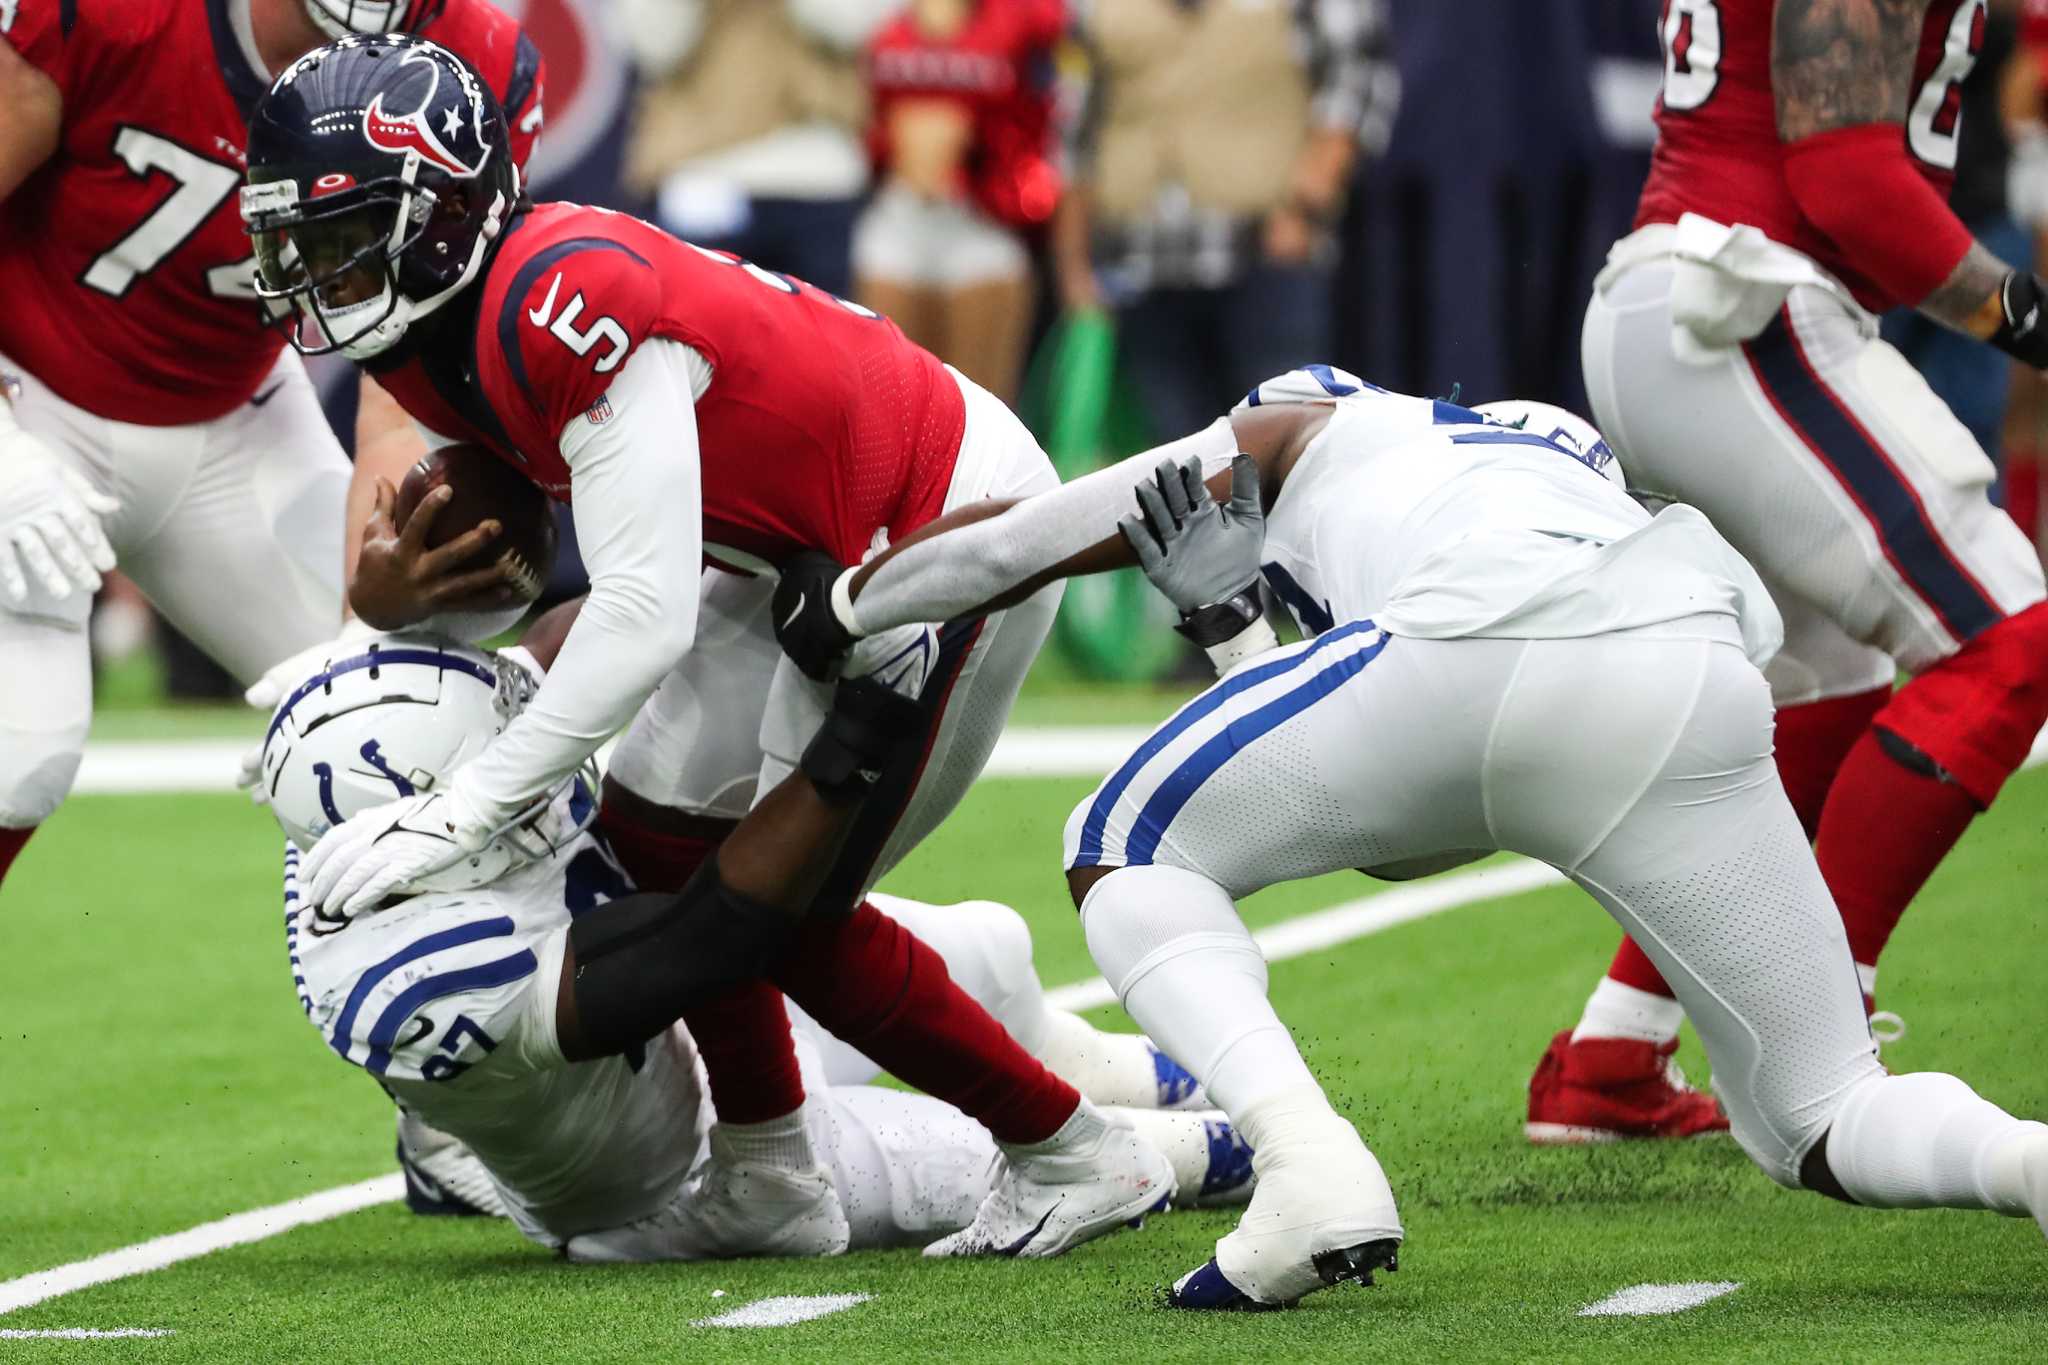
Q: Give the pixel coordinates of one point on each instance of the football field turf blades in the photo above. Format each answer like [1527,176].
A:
[155,1075]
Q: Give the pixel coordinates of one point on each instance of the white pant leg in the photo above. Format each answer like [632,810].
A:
[695,744]
[247,561]
[1824,458]
[1699,856]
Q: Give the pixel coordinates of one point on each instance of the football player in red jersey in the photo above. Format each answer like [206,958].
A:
[696,407]
[146,411]
[1798,186]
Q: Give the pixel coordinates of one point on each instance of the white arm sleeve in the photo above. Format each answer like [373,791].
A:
[951,573]
[639,523]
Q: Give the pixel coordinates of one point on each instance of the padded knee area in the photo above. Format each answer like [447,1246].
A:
[45,711]
[1976,713]
[36,772]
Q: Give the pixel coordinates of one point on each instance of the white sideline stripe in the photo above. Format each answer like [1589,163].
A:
[158,1252]
[144,767]
[1305,934]
[785,1311]
[80,1333]
[1654,1300]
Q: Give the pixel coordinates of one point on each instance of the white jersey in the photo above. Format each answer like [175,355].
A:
[1434,523]
[449,1001]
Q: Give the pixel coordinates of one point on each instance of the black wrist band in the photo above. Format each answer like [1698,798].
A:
[1225,620]
[2023,334]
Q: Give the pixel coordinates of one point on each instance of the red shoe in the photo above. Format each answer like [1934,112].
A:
[1607,1089]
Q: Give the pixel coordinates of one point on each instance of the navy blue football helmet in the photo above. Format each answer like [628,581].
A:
[380,175]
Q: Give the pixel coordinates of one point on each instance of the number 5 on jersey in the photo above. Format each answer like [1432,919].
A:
[563,328]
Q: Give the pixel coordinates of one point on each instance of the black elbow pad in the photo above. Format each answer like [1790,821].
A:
[644,959]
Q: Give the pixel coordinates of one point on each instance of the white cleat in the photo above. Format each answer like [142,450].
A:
[1212,1163]
[730,1208]
[2034,1166]
[1094,1175]
[442,1176]
[1322,1213]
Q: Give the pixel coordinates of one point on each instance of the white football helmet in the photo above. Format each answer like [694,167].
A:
[393,716]
[339,18]
[1563,427]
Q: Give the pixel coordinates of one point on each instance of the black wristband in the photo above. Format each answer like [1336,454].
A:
[2023,334]
[867,725]
[1220,621]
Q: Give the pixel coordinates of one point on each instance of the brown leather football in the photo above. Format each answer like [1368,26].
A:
[487,488]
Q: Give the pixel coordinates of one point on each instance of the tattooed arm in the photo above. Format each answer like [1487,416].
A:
[1842,79]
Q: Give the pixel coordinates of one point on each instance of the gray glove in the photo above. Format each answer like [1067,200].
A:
[1196,552]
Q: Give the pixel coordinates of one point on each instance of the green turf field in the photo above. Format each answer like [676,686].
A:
[155,1073]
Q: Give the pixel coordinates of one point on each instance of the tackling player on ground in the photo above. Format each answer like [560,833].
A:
[1804,153]
[524,1002]
[146,413]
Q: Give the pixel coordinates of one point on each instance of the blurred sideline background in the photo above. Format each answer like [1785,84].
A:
[1120,214]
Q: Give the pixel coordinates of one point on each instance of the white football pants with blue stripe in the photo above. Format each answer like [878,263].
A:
[1638,763]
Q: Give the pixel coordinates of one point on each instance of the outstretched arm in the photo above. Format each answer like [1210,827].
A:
[1842,78]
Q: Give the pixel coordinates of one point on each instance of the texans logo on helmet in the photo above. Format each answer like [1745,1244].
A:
[410,132]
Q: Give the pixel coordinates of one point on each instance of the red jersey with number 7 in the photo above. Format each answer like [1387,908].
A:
[1718,153]
[823,425]
[126,281]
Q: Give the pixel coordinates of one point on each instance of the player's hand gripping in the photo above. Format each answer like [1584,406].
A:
[1204,556]
[380,852]
[399,582]
[808,624]
[49,520]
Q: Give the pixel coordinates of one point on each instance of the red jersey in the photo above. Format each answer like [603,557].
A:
[822,425]
[126,281]
[999,69]
[1718,153]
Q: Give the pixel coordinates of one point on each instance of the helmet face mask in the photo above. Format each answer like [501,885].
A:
[379,177]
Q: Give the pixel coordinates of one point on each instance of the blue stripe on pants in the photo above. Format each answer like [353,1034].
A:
[1220,748]
[1090,851]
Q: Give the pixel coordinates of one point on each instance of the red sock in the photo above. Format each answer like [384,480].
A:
[878,987]
[12,841]
[743,1035]
[1813,740]
[2023,491]
[1632,967]
[1883,832]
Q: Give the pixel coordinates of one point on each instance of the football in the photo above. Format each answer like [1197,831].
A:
[486,488]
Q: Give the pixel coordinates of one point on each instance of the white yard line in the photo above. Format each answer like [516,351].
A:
[1656,1300]
[785,1311]
[80,1333]
[158,1252]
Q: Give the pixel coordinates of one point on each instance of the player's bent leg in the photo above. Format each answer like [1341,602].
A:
[1171,942]
[45,712]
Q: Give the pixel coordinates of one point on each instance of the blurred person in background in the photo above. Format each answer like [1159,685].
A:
[963,136]
[747,137]
[1213,162]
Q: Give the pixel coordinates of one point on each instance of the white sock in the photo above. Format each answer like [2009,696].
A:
[1186,969]
[1615,1010]
[1927,1140]
[1184,1137]
[1109,1068]
[783,1144]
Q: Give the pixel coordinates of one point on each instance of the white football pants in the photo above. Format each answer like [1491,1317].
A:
[1825,459]
[1637,763]
[232,527]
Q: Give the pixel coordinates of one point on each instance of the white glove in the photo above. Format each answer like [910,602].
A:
[900,659]
[2026,175]
[379,852]
[49,519]
[267,691]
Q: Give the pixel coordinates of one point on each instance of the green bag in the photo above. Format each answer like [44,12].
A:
[1111,626]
